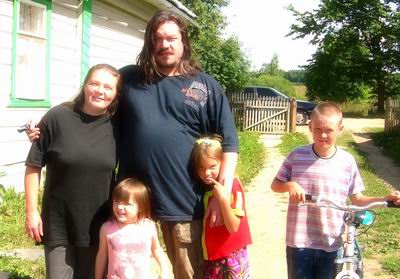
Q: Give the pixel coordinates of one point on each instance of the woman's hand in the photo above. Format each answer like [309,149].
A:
[34,226]
[33,132]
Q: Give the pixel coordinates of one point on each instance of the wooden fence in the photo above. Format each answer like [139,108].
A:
[392,115]
[263,114]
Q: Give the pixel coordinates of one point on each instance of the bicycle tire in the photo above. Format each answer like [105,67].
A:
[360,269]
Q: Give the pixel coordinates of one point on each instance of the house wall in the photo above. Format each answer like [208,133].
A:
[6,13]
[64,83]
[116,36]
[65,51]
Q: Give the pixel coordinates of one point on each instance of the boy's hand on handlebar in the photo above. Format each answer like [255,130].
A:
[296,192]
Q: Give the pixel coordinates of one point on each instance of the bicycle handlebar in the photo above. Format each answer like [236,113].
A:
[345,207]
[392,204]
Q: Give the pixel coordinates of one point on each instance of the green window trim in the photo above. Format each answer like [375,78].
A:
[85,39]
[22,102]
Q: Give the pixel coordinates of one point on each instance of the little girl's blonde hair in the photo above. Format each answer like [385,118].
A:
[209,146]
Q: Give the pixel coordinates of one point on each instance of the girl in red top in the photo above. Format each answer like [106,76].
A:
[224,247]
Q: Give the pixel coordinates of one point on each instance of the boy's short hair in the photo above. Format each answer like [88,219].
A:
[327,109]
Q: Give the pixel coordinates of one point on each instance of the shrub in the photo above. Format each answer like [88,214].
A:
[251,157]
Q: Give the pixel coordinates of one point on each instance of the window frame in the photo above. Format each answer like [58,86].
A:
[18,102]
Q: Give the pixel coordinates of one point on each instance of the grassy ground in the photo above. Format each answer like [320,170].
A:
[390,144]
[300,92]
[12,235]
[383,239]
[291,141]
[12,218]
[251,157]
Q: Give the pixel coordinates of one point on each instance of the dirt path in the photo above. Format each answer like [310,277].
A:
[267,217]
[267,210]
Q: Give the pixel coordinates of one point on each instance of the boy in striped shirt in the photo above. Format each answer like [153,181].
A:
[313,234]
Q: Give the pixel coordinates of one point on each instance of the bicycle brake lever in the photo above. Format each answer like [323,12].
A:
[311,198]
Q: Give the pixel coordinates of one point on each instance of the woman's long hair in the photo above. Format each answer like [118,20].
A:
[146,59]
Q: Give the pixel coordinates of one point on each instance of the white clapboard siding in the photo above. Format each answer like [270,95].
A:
[65,52]
[116,38]
[5,83]
[6,12]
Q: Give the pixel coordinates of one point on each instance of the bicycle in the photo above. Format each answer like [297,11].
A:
[349,265]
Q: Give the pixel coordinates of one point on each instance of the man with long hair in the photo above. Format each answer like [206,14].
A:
[166,103]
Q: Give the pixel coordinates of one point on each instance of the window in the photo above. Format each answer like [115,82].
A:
[31,54]
[268,92]
[248,90]
[265,92]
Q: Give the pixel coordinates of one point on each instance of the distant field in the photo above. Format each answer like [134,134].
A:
[300,91]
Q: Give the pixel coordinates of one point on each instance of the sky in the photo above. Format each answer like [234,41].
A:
[261,26]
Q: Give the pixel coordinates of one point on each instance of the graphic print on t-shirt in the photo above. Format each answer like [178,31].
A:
[196,95]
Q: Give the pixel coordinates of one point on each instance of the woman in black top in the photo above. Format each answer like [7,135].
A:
[77,146]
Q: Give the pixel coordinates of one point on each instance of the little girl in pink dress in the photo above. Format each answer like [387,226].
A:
[128,241]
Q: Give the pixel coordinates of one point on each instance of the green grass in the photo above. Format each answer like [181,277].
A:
[23,269]
[290,141]
[12,221]
[390,144]
[359,109]
[251,157]
[300,92]
[391,263]
[383,239]
[12,235]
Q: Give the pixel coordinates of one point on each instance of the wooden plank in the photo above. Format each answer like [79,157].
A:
[266,118]
[392,115]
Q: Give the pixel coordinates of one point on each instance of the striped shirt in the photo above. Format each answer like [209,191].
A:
[336,178]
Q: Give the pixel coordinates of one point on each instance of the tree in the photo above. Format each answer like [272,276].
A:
[271,68]
[358,48]
[278,82]
[296,76]
[271,75]
[219,57]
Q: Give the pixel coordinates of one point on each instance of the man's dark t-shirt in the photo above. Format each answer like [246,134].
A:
[159,124]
